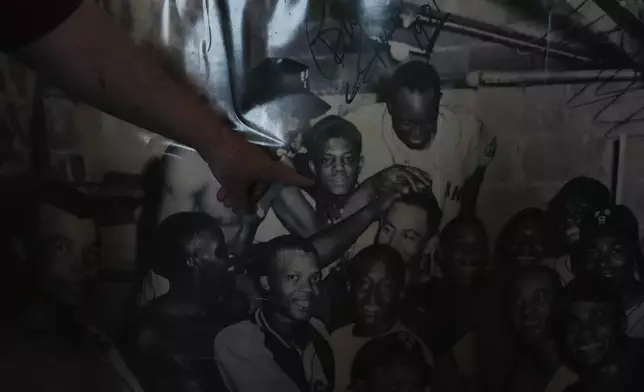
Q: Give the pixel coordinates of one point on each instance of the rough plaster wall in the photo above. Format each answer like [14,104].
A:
[543,142]
[633,187]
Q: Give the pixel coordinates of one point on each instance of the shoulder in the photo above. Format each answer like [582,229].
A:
[319,326]
[239,337]
[185,167]
[340,335]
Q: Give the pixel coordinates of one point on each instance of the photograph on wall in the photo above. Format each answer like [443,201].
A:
[469,218]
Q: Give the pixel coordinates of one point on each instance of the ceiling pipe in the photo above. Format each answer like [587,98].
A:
[503,36]
[532,78]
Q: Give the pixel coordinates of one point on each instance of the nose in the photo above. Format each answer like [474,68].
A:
[337,166]
[605,260]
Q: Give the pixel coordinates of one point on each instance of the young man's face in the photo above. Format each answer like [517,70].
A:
[376,295]
[466,255]
[575,210]
[405,228]
[607,257]
[527,244]
[337,170]
[293,284]
[207,259]
[70,253]
[414,116]
[590,332]
[533,295]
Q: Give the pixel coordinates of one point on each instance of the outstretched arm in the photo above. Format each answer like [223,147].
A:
[332,242]
[89,55]
[295,212]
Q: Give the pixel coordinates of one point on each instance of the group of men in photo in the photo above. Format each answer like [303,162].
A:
[382,278]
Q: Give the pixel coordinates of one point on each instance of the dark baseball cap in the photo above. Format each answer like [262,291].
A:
[614,222]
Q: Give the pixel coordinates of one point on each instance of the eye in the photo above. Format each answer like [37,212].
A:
[292,277]
[349,159]
[411,236]
[316,278]
[572,325]
[406,124]
[327,160]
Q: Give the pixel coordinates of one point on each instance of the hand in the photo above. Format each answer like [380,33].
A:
[488,152]
[241,167]
[399,177]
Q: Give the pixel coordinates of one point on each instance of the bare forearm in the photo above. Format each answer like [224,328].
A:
[471,190]
[92,57]
[294,212]
[332,242]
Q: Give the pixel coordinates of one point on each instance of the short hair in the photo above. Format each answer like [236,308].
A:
[590,189]
[427,202]
[585,289]
[172,235]
[418,76]
[374,254]
[328,128]
[520,218]
[452,228]
[398,348]
[263,256]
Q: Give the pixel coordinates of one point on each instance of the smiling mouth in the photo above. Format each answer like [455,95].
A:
[608,273]
[573,233]
[526,259]
[588,347]
[303,304]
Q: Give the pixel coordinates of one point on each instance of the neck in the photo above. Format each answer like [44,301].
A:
[327,201]
[544,355]
[364,330]
[284,326]
[187,294]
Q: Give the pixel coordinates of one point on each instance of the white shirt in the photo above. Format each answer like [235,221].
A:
[450,159]
[346,346]
[247,365]
[635,316]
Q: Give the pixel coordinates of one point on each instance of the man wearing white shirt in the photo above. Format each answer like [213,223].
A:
[411,128]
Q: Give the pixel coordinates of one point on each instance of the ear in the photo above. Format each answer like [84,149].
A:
[263,281]
[312,168]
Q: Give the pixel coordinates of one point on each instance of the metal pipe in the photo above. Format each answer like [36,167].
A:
[501,36]
[531,78]
[621,169]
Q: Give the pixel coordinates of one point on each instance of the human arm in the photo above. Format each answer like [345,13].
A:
[472,184]
[295,212]
[89,55]
[333,241]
